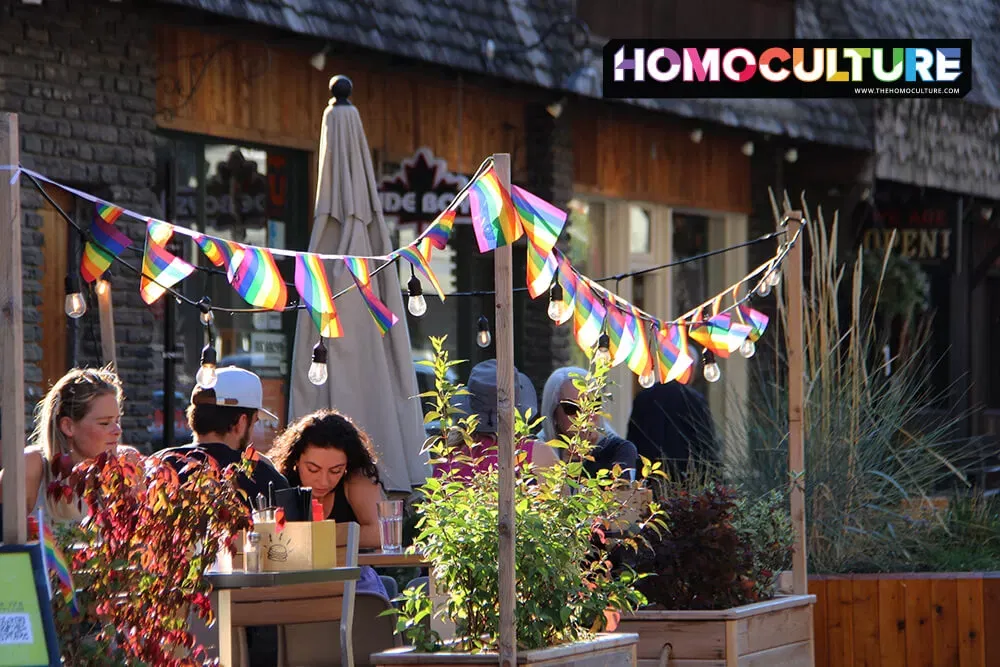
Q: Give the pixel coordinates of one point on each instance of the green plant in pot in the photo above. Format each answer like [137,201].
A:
[564,589]
[140,555]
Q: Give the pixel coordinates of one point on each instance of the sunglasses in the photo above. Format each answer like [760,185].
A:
[569,408]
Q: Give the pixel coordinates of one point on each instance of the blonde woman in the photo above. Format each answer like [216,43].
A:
[80,417]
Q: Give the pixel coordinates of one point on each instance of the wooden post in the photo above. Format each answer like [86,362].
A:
[107,318]
[15,528]
[796,397]
[504,338]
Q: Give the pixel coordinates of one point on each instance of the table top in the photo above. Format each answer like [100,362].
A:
[242,579]
[379,558]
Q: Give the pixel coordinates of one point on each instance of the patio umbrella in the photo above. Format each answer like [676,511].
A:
[371,377]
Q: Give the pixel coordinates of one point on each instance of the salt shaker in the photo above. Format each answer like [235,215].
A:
[251,552]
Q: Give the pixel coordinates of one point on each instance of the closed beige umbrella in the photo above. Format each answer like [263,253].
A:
[371,378]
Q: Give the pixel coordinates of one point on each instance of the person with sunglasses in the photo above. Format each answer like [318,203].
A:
[560,404]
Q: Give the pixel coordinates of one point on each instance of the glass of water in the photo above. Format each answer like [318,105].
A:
[390,524]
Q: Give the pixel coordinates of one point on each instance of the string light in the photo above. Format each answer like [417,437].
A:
[206,376]
[774,277]
[416,303]
[648,378]
[763,289]
[603,354]
[75,305]
[205,306]
[557,303]
[710,369]
[748,348]
[318,373]
[483,337]
[103,285]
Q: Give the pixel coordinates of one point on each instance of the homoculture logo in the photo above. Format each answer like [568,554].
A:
[803,68]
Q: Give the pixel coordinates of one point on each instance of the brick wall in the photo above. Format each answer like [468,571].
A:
[80,76]
[549,145]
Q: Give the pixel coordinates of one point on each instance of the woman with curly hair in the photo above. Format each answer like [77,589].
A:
[327,452]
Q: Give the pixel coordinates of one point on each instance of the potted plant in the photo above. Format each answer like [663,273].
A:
[566,597]
[139,558]
[710,581]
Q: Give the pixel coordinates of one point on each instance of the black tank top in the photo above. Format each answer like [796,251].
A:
[342,511]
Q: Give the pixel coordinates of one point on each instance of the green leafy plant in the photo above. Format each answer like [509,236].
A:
[878,436]
[140,556]
[765,525]
[564,588]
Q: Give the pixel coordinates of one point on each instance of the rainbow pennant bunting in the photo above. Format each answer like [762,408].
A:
[541,269]
[589,314]
[756,319]
[440,230]
[542,222]
[494,217]
[384,318]
[258,280]
[706,333]
[412,254]
[314,288]
[639,361]
[55,561]
[673,361]
[619,331]
[106,243]
[221,253]
[161,269]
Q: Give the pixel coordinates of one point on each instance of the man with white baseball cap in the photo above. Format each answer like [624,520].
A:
[222,419]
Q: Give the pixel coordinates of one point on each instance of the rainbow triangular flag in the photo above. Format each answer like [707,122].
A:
[55,561]
[542,222]
[258,280]
[413,254]
[589,314]
[106,243]
[440,230]
[619,331]
[161,269]
[221,253]
[639,361]
[384,318]
[494,217]
[756,319]
[673,361]
[314,288]
[541,269]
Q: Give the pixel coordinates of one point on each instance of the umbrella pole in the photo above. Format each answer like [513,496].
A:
[503,278]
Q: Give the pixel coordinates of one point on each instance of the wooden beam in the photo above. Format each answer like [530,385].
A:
[796,397]
[15,528]
[504,281]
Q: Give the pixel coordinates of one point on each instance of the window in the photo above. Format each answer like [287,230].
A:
[639,230]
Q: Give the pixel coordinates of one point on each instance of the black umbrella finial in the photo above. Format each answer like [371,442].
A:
[340,89]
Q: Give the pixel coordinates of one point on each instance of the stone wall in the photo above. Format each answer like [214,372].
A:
[81,77]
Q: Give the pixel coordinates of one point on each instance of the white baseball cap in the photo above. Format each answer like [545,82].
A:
[234,388]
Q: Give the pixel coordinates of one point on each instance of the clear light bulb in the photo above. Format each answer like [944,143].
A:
[102,287]
[483,337]
[647,379]
[774,278]
[557,310]
[207,317]
[76,305]
[416,304]
[205,377]
[748,348]
[712,371]
[763,289]
[318,373]
[603,354]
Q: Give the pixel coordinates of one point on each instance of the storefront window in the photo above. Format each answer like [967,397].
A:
[250,194]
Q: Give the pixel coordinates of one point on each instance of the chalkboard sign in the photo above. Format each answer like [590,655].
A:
[27,631]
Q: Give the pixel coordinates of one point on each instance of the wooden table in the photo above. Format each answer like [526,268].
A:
[380,558]
[224,583]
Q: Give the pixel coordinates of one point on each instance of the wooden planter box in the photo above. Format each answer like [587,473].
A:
[763,634]
[606,650]
[907,620]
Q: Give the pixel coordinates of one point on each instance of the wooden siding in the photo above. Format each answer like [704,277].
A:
[272,95]
[622,154]
[907,620]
